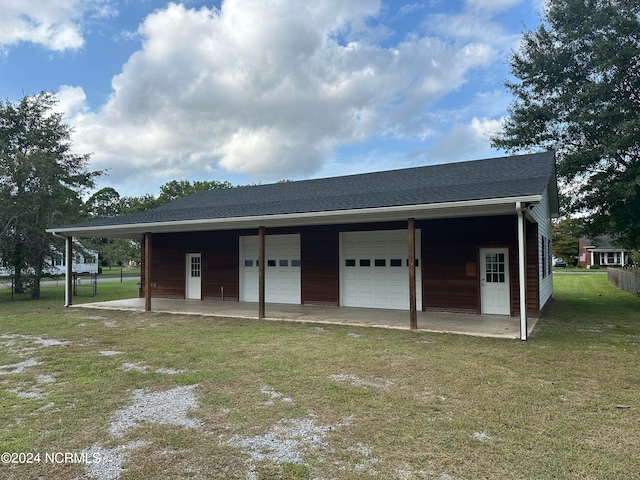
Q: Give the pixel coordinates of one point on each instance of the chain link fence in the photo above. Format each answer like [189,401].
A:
[84,285]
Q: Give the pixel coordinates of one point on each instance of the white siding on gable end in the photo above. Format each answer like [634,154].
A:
[542,215]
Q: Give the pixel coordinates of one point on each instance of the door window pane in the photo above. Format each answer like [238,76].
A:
[195,267]
[495,268]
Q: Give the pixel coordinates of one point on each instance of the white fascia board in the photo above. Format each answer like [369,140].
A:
[470,208]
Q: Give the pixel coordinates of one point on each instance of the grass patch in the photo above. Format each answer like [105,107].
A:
[117,272]
[285,471]
[52,296]
[290,401]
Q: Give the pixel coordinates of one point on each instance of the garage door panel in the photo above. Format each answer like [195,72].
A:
[282,272]
[374,269]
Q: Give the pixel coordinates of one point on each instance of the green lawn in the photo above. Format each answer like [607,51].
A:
[114,272]
[285,400]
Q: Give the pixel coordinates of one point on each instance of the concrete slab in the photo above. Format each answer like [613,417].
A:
[497,326]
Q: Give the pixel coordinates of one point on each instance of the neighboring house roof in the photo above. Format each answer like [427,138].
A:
[604,243]
[479,183]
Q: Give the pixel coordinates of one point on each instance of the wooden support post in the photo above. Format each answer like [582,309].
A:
[413,314]
[147,272]
[68,277]
[261,272]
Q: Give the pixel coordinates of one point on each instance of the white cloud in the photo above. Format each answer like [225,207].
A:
[411,8]
[267,88]
[71,100]
[473,26]
[485,127]
[466,141]
[53,24]
[491,5]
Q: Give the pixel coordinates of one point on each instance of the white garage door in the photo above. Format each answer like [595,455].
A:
[282,272]
[373,269]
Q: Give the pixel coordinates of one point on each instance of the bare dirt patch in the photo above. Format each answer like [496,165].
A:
[107,464]
[143,368]
[285,442]
[274,396]
[109,353]
[169,407]
[356,381]
[18,367]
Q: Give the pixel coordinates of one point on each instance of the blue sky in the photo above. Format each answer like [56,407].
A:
[261,90]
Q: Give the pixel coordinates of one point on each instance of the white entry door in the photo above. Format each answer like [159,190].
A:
[194,276]
[494,281]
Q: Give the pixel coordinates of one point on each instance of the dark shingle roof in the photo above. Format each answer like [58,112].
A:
[495,178]
[603,242]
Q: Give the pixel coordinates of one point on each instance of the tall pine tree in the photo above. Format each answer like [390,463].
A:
[41,182]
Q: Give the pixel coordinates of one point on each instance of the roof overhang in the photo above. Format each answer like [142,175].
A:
[470,208]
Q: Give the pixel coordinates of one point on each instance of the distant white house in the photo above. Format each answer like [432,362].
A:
[82,264]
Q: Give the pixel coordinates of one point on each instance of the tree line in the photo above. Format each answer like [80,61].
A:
[576,89]
[43,183]
[107,202]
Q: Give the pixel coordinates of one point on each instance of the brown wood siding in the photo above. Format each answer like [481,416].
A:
[219,251]
[220,264]
[451,263]
[143,262]
[168,264]
[449,276]
[320,270]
